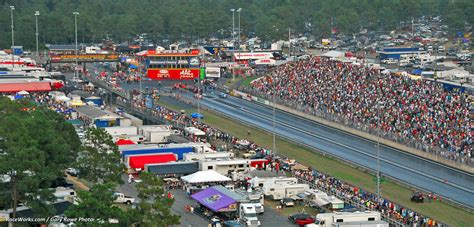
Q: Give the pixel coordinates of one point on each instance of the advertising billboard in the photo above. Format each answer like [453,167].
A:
[85,58]
[173,74]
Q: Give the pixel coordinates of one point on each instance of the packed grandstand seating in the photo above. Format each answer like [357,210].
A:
[415,112]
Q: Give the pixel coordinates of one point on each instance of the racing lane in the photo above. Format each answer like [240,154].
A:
[405,167]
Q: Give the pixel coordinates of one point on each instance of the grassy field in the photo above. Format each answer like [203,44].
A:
[391,190]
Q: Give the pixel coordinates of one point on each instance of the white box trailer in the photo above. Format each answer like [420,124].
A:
[135,121]
[284,190]
[366,218]
[156,133]
[207,156]
[259,182]
[196,133]
[199,147]
[121,130]
[225,166]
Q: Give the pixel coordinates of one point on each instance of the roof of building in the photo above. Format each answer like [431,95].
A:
[60,207]
[93,112]
[180,168]
[31,86]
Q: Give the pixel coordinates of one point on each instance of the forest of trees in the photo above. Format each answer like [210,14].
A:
[121,20]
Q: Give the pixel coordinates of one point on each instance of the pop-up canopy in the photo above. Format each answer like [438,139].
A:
[213,199]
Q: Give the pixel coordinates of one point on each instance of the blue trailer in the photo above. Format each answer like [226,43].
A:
[179,151]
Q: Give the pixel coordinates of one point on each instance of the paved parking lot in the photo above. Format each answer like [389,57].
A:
[269,218]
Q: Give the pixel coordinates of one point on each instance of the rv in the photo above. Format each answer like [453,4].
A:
[367,218]
[284,190]
[317,198]
[156,133]
[258,182]
[255,197]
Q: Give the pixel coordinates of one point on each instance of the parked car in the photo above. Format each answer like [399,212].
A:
[301,219]
[287,202]
[417,197]
[73,172]
[223,95]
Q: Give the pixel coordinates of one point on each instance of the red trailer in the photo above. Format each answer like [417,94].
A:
[259,163]
[139,161]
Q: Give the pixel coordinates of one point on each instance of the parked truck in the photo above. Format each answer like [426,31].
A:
[121,198]
[248,215]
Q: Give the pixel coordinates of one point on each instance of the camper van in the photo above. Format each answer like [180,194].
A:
[317,198]
[284,190]
[367,218]
[258,182]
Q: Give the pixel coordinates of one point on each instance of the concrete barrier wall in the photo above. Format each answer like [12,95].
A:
[347,129]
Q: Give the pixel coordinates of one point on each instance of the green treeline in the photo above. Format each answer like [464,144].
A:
[121,20]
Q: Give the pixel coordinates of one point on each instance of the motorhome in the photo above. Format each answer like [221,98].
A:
[255,197]
[259,182]
[319,198]
[156,133]
[367,218]
[284,190]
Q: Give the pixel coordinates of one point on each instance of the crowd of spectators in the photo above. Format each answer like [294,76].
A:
[419,113]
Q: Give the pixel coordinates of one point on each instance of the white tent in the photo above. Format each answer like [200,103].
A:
[23,92]
[333,54]
[205,177]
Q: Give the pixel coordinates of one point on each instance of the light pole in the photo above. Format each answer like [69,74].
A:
[238,11]
[233,23]
[289,43]
[75,23]
[13,36]
[37,13]
[274,119]
[378,148]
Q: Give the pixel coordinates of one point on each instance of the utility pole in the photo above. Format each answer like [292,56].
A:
[13,36]
[238,11]
[233,24]
[378,150]
[37,13]
[274,119]
[75,23]
[289,43]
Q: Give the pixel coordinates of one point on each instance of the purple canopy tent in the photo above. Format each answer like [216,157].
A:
[213,199]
